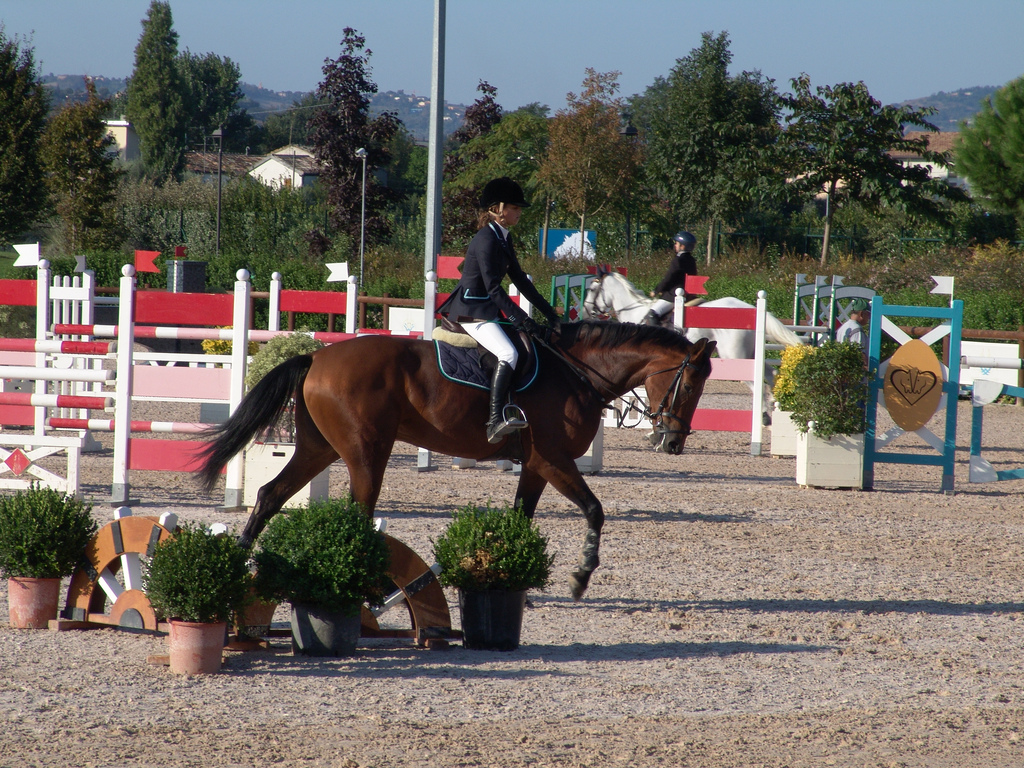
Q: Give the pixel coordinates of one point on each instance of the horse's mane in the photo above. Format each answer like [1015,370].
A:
[603,333]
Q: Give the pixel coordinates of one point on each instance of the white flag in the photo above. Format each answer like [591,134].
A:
[28,255]
[339,272]
[942,285]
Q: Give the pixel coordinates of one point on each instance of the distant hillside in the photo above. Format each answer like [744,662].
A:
[412,110]
[954,106]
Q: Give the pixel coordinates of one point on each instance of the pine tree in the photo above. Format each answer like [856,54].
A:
[157,96]
[990,153]
[81,173]
[23,106]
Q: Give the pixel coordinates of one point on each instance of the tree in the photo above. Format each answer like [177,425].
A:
[157,96]
[710,135]
[23,106]
[459,201]
[514,147]
[81,174]
[842,141]
[588,165]
[214,94]
[341,127]
[990,153]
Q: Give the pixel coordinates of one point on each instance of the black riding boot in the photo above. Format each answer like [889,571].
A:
[653,318]
[498,426]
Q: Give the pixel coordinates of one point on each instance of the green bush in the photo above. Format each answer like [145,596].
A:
[492,549]
[197,576]
[327,554]
[276,351]
[43,533]
[830,389]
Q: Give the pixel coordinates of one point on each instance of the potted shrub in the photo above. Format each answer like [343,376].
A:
[326,559]
[43,537]
[829,395]
[784,431]
[492,556]
[267,456]
[197,580]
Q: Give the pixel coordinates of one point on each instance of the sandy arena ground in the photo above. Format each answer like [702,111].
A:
[736,620]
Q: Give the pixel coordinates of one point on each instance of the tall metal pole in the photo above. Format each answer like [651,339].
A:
[220,155]
[434,153]
[361,154]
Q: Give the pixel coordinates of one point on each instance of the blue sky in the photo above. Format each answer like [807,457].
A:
[537,50]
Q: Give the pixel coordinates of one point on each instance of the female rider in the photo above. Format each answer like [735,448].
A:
[479,301]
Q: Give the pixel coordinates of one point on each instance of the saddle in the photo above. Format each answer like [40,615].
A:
[463,361]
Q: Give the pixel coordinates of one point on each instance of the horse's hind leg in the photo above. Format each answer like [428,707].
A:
[305,464]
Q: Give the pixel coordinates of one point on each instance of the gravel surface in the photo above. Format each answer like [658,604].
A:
[736,619]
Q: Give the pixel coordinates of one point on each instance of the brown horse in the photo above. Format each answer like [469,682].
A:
[354,399]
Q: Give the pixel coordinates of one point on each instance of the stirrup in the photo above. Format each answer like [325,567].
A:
[513,419]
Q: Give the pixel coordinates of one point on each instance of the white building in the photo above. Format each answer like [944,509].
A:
[291,166]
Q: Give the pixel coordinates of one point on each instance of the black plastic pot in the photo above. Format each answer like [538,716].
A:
[317,632]
[491,619]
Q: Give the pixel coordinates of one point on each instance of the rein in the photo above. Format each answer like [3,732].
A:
[664,407]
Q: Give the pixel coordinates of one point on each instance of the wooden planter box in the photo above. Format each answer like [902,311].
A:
[263,462]
[835,463]
[784,433]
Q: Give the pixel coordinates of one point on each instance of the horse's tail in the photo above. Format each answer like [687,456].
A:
[257,412]
[778,333]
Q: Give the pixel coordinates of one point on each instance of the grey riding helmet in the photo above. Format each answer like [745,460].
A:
[685,239]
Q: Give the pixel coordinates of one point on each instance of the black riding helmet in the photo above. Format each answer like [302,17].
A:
[688,241]
[503,190]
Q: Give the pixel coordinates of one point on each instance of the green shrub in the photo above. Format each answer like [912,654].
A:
[276,351]
[327,554]
[197,576]
[492,549]
[43,533]
[830,389]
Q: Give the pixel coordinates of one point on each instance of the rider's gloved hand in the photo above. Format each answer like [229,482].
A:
[530,326]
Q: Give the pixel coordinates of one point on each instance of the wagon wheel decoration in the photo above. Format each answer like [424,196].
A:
[107,588]
[422,595]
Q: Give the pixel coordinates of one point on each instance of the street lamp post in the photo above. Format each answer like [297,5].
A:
[629,132]
[219,135]
[361,154]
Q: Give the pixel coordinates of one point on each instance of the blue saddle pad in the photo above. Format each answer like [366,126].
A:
[462,365]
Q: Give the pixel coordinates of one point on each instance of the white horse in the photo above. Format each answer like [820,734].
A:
[612,294]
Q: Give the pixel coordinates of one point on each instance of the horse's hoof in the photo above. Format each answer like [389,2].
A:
[578,583]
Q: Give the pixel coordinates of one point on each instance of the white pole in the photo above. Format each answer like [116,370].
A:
[274,321]
[123,403]
[239,359]
[756,424]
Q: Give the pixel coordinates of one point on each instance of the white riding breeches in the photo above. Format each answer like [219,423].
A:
[490,336]
[662,307]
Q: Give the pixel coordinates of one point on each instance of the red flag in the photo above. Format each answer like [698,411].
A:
[144,261]
[695,285]
[179,251]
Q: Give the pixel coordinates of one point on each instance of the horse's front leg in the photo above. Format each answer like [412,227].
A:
[570,484]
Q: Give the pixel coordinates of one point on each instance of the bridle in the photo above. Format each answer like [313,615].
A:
[669,402]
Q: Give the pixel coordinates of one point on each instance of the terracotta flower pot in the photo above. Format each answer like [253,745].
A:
[196,648]
[32,602]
